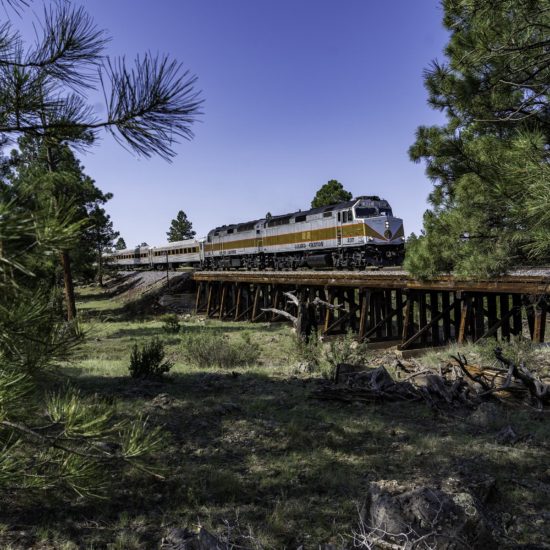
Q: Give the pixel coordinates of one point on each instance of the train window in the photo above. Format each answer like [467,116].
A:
[298,219]
[327,215]
[344,217]
[245,227]
[229,231]
[339,216]
[278,221]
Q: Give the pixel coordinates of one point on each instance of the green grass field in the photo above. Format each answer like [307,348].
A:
[248,451]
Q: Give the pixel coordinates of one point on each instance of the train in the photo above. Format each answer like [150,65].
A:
[352,234]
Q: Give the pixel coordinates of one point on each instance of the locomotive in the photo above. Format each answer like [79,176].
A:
[351,234]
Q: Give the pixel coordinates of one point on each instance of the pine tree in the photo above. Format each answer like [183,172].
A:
[120,244]
[330,193]
[180,228]
[489,163]
[56,438]
[51,438]
[33,183]
[44,94]
[102,235]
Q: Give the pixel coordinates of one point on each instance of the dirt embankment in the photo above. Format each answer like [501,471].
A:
[148,292]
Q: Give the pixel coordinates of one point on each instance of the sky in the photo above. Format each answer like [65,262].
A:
[296,92]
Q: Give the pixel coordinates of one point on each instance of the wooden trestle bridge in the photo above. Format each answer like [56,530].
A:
[386,305]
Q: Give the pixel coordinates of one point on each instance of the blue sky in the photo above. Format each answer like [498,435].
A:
[296,92]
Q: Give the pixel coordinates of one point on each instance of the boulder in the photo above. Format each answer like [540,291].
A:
[440,519]
[184,539]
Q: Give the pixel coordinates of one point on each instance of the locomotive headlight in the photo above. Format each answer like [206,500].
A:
[387,224]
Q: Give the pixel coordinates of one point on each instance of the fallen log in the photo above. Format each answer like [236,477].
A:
[457,384]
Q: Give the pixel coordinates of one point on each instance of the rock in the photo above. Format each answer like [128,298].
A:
[177,539]
[487,415]
[444,520]
[304,367]
[163,401]
[507,436]
[184,539]
[226,408]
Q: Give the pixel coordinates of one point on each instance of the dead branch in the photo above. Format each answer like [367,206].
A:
[539,392]
[283,313]
[293,298]
[319,302]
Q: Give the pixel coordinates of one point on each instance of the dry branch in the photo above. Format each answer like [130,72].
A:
[459,384]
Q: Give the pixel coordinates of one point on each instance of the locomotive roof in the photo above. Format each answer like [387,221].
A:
[318,210]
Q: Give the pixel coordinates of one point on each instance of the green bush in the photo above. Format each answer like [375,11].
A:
[148,361]
[309,353]
[346,349]
[207,348]
[171,323]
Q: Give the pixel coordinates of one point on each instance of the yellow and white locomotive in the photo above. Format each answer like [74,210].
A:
[351,234]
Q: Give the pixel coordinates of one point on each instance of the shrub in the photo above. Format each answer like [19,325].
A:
[171,323]
[345,349]
[148,361]
[309,353]
[206,348]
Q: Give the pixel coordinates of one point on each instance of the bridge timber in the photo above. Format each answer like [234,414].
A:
[386,305]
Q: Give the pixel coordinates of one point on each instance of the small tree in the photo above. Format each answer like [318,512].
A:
[120,244]
[330,193]
[180,228]
[103,236]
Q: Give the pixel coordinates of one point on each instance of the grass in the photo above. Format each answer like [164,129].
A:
[247,449]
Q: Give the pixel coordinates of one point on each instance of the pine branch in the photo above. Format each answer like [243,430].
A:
[151,105]
[69,47]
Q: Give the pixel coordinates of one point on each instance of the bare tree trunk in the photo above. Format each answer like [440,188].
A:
[69,288]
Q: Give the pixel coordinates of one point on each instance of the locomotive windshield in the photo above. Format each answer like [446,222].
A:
[371,212]
[366,212]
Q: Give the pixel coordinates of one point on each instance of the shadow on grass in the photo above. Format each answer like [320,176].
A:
[143,332]
[261,445]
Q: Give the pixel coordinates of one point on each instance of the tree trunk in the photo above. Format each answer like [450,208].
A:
[69,288]
[100,267]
